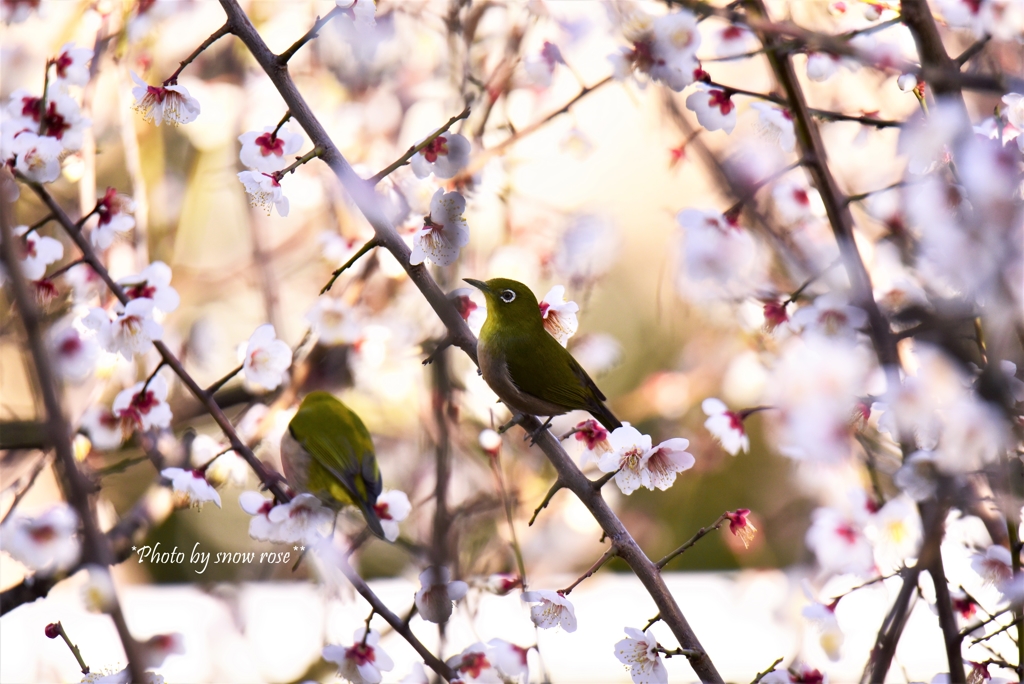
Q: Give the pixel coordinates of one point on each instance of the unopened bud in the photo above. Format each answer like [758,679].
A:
[52,630]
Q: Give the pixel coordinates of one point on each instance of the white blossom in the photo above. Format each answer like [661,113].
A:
[303,519]
[663,48]
[103,428]
[131,332]
[776,125]
[193,485]
[663,462]
[587,249]
[714,108]
[48,544]
[444,157]
[362,12]
[363,661]
[638,652]
[74,354]
[550,609]
[392,507]
[444,232]
[114,211]
[839,543]
[436,593]
[830,315]
[334,321]
[266,358]
[98,593]
[70,67]
[153,283]
[627,458]
[144,410]
[37,252]
[170,103]
[264,191]
[38,157]
[267,151]
[726,426]
[509,659]
[473,666]
[559,315]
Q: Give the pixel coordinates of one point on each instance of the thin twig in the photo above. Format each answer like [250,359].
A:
[771,668]
[38,468]
[312,33]
[370,244]
[411,152]
[693,540]
[607,556]
[214,37]
[212,389]
[547,499]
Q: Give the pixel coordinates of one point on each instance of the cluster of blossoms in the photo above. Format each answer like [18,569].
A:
[305,519]
[266,153]
[629,454]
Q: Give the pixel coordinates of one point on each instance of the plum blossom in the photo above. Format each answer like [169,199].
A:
[663,48]
[258,506]
[509,659]
[70,66]
[220,464]
[268,150]
[114,210]
[74,354]
[434,599]
[725,426]
[444,232]
[144,405]
[266,358]
[98,593]
[823,615]
[733,41]
[170,103]
[363,661]
[62,119]
[37,252]
[392,507]
[264,191]
[192,485]
[994,566]
[490,442]
[719,250]
[797,673]
[17,11]
[559,315]
[360,12]
[714,108]
[155,649]
[586,250]
[38,157]
[303,519]
[774,314]
[895,532]
[822,66]
[830,315]
[638,651]
[794,201]
[664,461]
[550,609]
[540,68]
[417,675]
[740,525]
[502,583]
[594,438]
[103,428]
[776,125]
[444,156]
[839,543]
[334,321]
[473,665]
[471,310]
[48,544]
[131,332]
[917,476]
[627,457]
[153,283]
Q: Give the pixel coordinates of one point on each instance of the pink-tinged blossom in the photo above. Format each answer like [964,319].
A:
[70,67]
[259,507]
[732,41]
[392,507]
[490,442]
[147,14]
[131,332]
[363,661]
[61,119]
[155,649]
[474,666]
[795,202]
[267,151]
[823,616]
[895,533]
[266,358]
[774,315]
[1014,115]
[114,211]
[917,477]
[444,156]
[926,140]
[38,157]
[725,426]
[550,609]
[540,68]
[839,543]
[473,311]
[831,316]
[444,232]
[595,440]
[597,352]
[153,283]
[775,125]
[638,652]
[416,676]
[168,103]
[47,544]
[437,592]
[362,13]
[103,428]
[627,457]
[664,462]
[74,354]
[144,410]
[740,525]
[587,249]
[502,583]
[718,250]
[17,11]
[509,659]
[37,252]
[303,519]
[264,191]
[221,464]
[714,108]
[663,48]
[995,566]
[334,321]
[559,315]
[192,485]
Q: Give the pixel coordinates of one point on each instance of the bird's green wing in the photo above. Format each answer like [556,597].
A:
[547,370]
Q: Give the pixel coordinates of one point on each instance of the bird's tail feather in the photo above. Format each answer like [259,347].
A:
[372,520]
[606,417]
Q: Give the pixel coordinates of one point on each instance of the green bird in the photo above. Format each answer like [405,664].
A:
[525,366]
[328,452]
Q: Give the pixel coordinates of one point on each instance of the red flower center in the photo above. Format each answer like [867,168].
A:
[143,289]
[721,99]
[70,346]
[159,93]
[382,511]
[544,306]
[591,433]
[466,306]
[735,422]
[361,654]
[435,147]
[732,33]
[42,533]
[270,144]
[473,664]
[847,533]
[800,195]
[62,63]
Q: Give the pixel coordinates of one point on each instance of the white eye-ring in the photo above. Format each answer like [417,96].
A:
[508,296]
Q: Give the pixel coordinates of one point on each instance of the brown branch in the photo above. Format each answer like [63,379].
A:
[214,37]
[76,487]
[819,113]
[607,556]
[411,152]
[693,540]
[363,196]
[312,33]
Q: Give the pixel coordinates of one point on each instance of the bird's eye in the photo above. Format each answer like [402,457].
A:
[508,296]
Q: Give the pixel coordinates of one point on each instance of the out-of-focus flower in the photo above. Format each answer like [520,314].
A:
[726,426]
[822,66]
[144,409]
[258,506]
[303,519]
[541,67]
[664,49]
[17,11]
[839,543]
[895,532]
[155,649]
[917,476]
[473,665]
[509,659]
[796,674]
[74,354]
[363,661]
[663,462]
[774,315]
[550,609]
[113,210]
[473,313]
[594,438]
[417,676]
[719,250]
[131,332]
[170,103]
[597,352]
[963,604]
[997,18]
[714,108]
[907,82]
[220,464]
[361,12]
[103,427]
[502,583]
[266,358]
[638,651]
[995,565]
[334,321]
[776,125]
[61,120]
[830,315]
[268,151]
[740,525]
[559,315]
[444,232]
[392,507]
[490,441]
[38,157]
[37,252]
[824,618]
[98,592]
[47,544]
[444,156]
[434,599]
[627,457]
[587,249]
[153,283]
[794,202]
[925,140]
[264,191]
[147,14]
[732,41]
[192,485]
[70,66]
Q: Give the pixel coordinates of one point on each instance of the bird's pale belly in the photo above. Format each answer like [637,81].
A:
[495,373]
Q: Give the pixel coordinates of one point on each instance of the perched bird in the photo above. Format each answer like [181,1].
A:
[527,367]
[328,452]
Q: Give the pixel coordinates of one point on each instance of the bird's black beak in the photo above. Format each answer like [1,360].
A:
[478,284]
